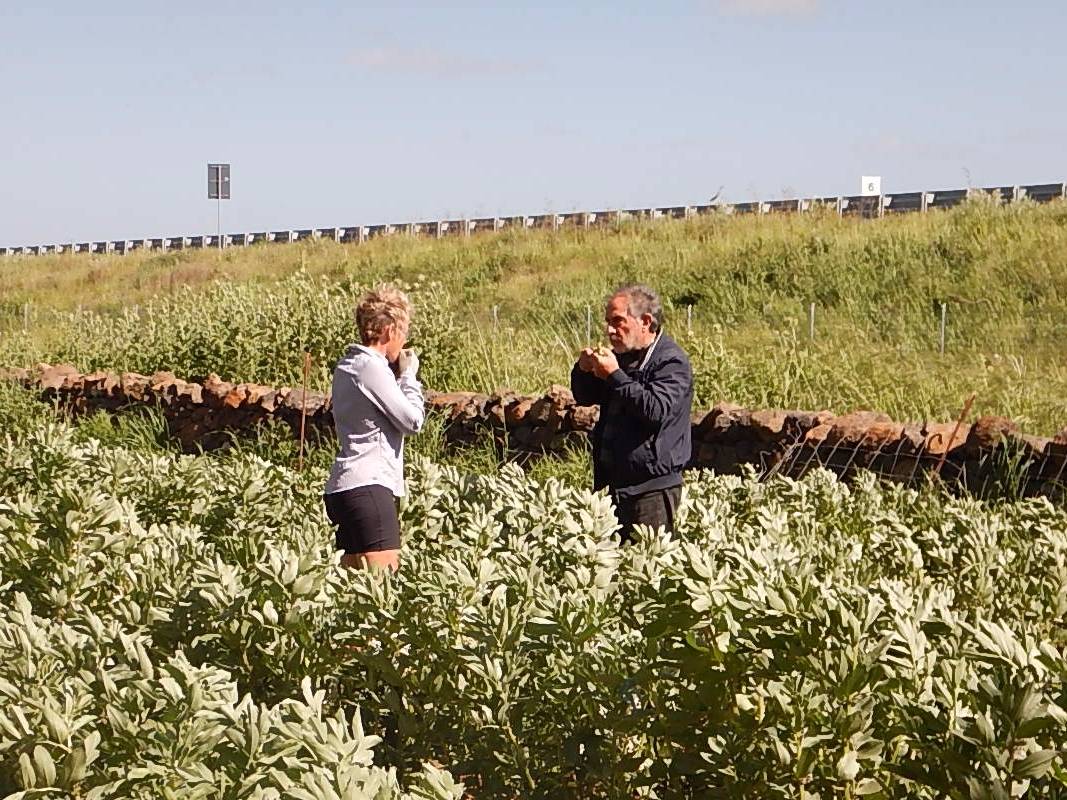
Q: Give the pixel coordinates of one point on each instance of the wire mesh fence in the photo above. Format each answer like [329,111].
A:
[1005,470]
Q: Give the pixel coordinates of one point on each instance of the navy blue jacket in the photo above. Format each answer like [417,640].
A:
[643,437]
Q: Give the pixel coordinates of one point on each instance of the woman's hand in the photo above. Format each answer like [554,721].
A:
[407,361]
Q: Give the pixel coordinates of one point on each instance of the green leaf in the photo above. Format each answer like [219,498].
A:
[46,767]
[848,766]
[868,786]
[1035,765]
[74,767]
[1032,727]
[91,745]
[26,772]
[57,727]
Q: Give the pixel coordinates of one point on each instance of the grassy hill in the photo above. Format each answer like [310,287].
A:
[510,309]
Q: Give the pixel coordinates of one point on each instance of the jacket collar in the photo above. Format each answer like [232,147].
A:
[637,360]
[650,349]
[361,348]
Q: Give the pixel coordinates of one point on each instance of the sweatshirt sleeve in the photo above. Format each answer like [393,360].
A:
[654,400]
[402,402]
[587,388]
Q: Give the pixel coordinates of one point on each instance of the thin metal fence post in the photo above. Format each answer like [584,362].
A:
[588,324]
[689,319]
[811,321]
[942,332]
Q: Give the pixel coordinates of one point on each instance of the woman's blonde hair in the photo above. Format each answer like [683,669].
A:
[379,309]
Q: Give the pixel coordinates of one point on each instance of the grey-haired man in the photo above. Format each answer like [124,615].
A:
[644,387]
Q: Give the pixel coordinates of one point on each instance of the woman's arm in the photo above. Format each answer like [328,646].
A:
[402,401]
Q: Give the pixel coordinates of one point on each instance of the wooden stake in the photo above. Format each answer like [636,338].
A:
[303,411]
[959,423]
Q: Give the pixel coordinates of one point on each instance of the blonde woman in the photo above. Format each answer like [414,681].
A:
[377,401]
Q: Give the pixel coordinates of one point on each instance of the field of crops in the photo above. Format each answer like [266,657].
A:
[179,627]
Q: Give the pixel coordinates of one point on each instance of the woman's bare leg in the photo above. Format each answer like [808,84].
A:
[374,559]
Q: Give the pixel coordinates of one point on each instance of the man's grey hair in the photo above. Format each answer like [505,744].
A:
[642,299]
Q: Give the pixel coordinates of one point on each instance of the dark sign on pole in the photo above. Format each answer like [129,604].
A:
[218,181]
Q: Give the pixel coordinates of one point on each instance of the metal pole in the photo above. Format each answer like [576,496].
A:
[811,321]
[218,213]
[689,318]
[588,324]
[942,342]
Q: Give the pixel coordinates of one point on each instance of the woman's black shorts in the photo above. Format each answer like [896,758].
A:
[366,519]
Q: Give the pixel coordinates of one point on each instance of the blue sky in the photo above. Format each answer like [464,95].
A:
[342,113]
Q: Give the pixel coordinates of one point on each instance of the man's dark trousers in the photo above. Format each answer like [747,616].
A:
[655,509]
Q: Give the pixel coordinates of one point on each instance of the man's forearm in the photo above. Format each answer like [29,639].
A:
[588,390]
[652,401]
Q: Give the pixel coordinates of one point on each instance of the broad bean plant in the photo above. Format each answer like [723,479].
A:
[175,626]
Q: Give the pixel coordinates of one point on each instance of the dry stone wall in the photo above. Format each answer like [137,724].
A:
[203,413]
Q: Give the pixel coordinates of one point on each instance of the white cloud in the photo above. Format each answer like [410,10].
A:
[769,8]
[434,63]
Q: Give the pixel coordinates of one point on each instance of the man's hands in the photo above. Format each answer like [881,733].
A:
[606,363]
[599,360]
[586,360]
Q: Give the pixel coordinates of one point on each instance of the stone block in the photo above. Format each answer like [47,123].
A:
[818,435]
[560,395]
[291,402]
[769,423]
[726,462]
[215,390]
[17,375]
[704,455]
[161,379]
[515,413]
[238,394]
[540,436]
[939,437]
[851,428]
[1034,446]
[800,422]
[56,377]
[583,418]
[496,414]
[912,439]
[134,386]
[725,423]
[882,436]
[540,411]
[254,393]
[988,433]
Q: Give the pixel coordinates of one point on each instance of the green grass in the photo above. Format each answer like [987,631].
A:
[248,313]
